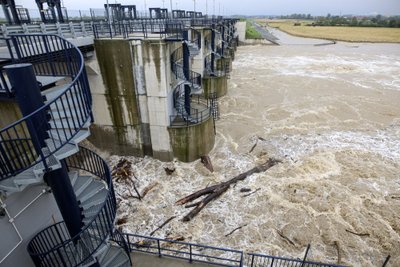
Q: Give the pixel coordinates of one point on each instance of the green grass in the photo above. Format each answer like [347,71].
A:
[251,32]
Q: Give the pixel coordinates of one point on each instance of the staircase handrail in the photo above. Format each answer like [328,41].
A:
[119,238]
[219,70]
[178,69]
[197,38]
[103,222]
[76,96]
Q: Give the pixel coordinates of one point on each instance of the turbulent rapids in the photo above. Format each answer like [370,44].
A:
[332,115]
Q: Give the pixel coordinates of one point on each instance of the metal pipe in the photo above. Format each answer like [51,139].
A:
[44,191]
[12,221]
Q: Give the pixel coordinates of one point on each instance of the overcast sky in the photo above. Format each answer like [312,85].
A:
[250,7]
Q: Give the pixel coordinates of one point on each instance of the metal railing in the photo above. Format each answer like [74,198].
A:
[196,115]
[177,68]
[213,255]
[196,38]
[66,30]
[54,246]
[205,22]
[260,260]
[74,100]
[145,28]
[217,70]
[185,251]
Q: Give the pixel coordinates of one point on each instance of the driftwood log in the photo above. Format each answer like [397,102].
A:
[207,163]
[215,191]
[162,225]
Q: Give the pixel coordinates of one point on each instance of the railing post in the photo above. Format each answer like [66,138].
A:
[305,255]
[159,248]
[190,254]
[50,60]
[386,261]
[252,260]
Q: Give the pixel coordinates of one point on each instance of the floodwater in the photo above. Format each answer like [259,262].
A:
[332,115]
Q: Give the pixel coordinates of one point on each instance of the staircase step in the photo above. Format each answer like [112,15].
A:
[97,199]
[27,177]
[121,260]
[52,163]
[112,255]
[63,135]
[102,251]
[65,114]
[103,254]
[54,92]
[103,219]
[9,186]
[92,211]
[65,151]
[73,177]
[81,184]
[68,123]
[90,191]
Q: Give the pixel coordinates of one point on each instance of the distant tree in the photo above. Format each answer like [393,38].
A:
[354,21]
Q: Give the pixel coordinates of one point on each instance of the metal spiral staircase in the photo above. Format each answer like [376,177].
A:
[185,77]
[47,140]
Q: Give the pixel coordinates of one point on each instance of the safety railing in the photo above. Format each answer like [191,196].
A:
[74,100]
[179,73]
[204,22]
[196,38]
[216,69]
[213,255]
[50,55]
[150,28]
[54,246]
[185,251]
[177,68]
[219,51]
[66,30]
[200,111]
[259,260]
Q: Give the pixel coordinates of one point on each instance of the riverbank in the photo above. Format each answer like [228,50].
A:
[346,34]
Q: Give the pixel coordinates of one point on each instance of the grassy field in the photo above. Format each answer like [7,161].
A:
[349,34]
[251,32]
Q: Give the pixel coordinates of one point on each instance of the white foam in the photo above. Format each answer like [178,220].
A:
[297,146]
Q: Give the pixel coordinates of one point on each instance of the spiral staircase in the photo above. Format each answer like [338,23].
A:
[186,77]
[30,150]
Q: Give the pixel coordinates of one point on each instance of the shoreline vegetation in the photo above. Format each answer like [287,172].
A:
[334,33]
[251,32]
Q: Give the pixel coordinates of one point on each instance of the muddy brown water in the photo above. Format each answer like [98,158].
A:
[332,114]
